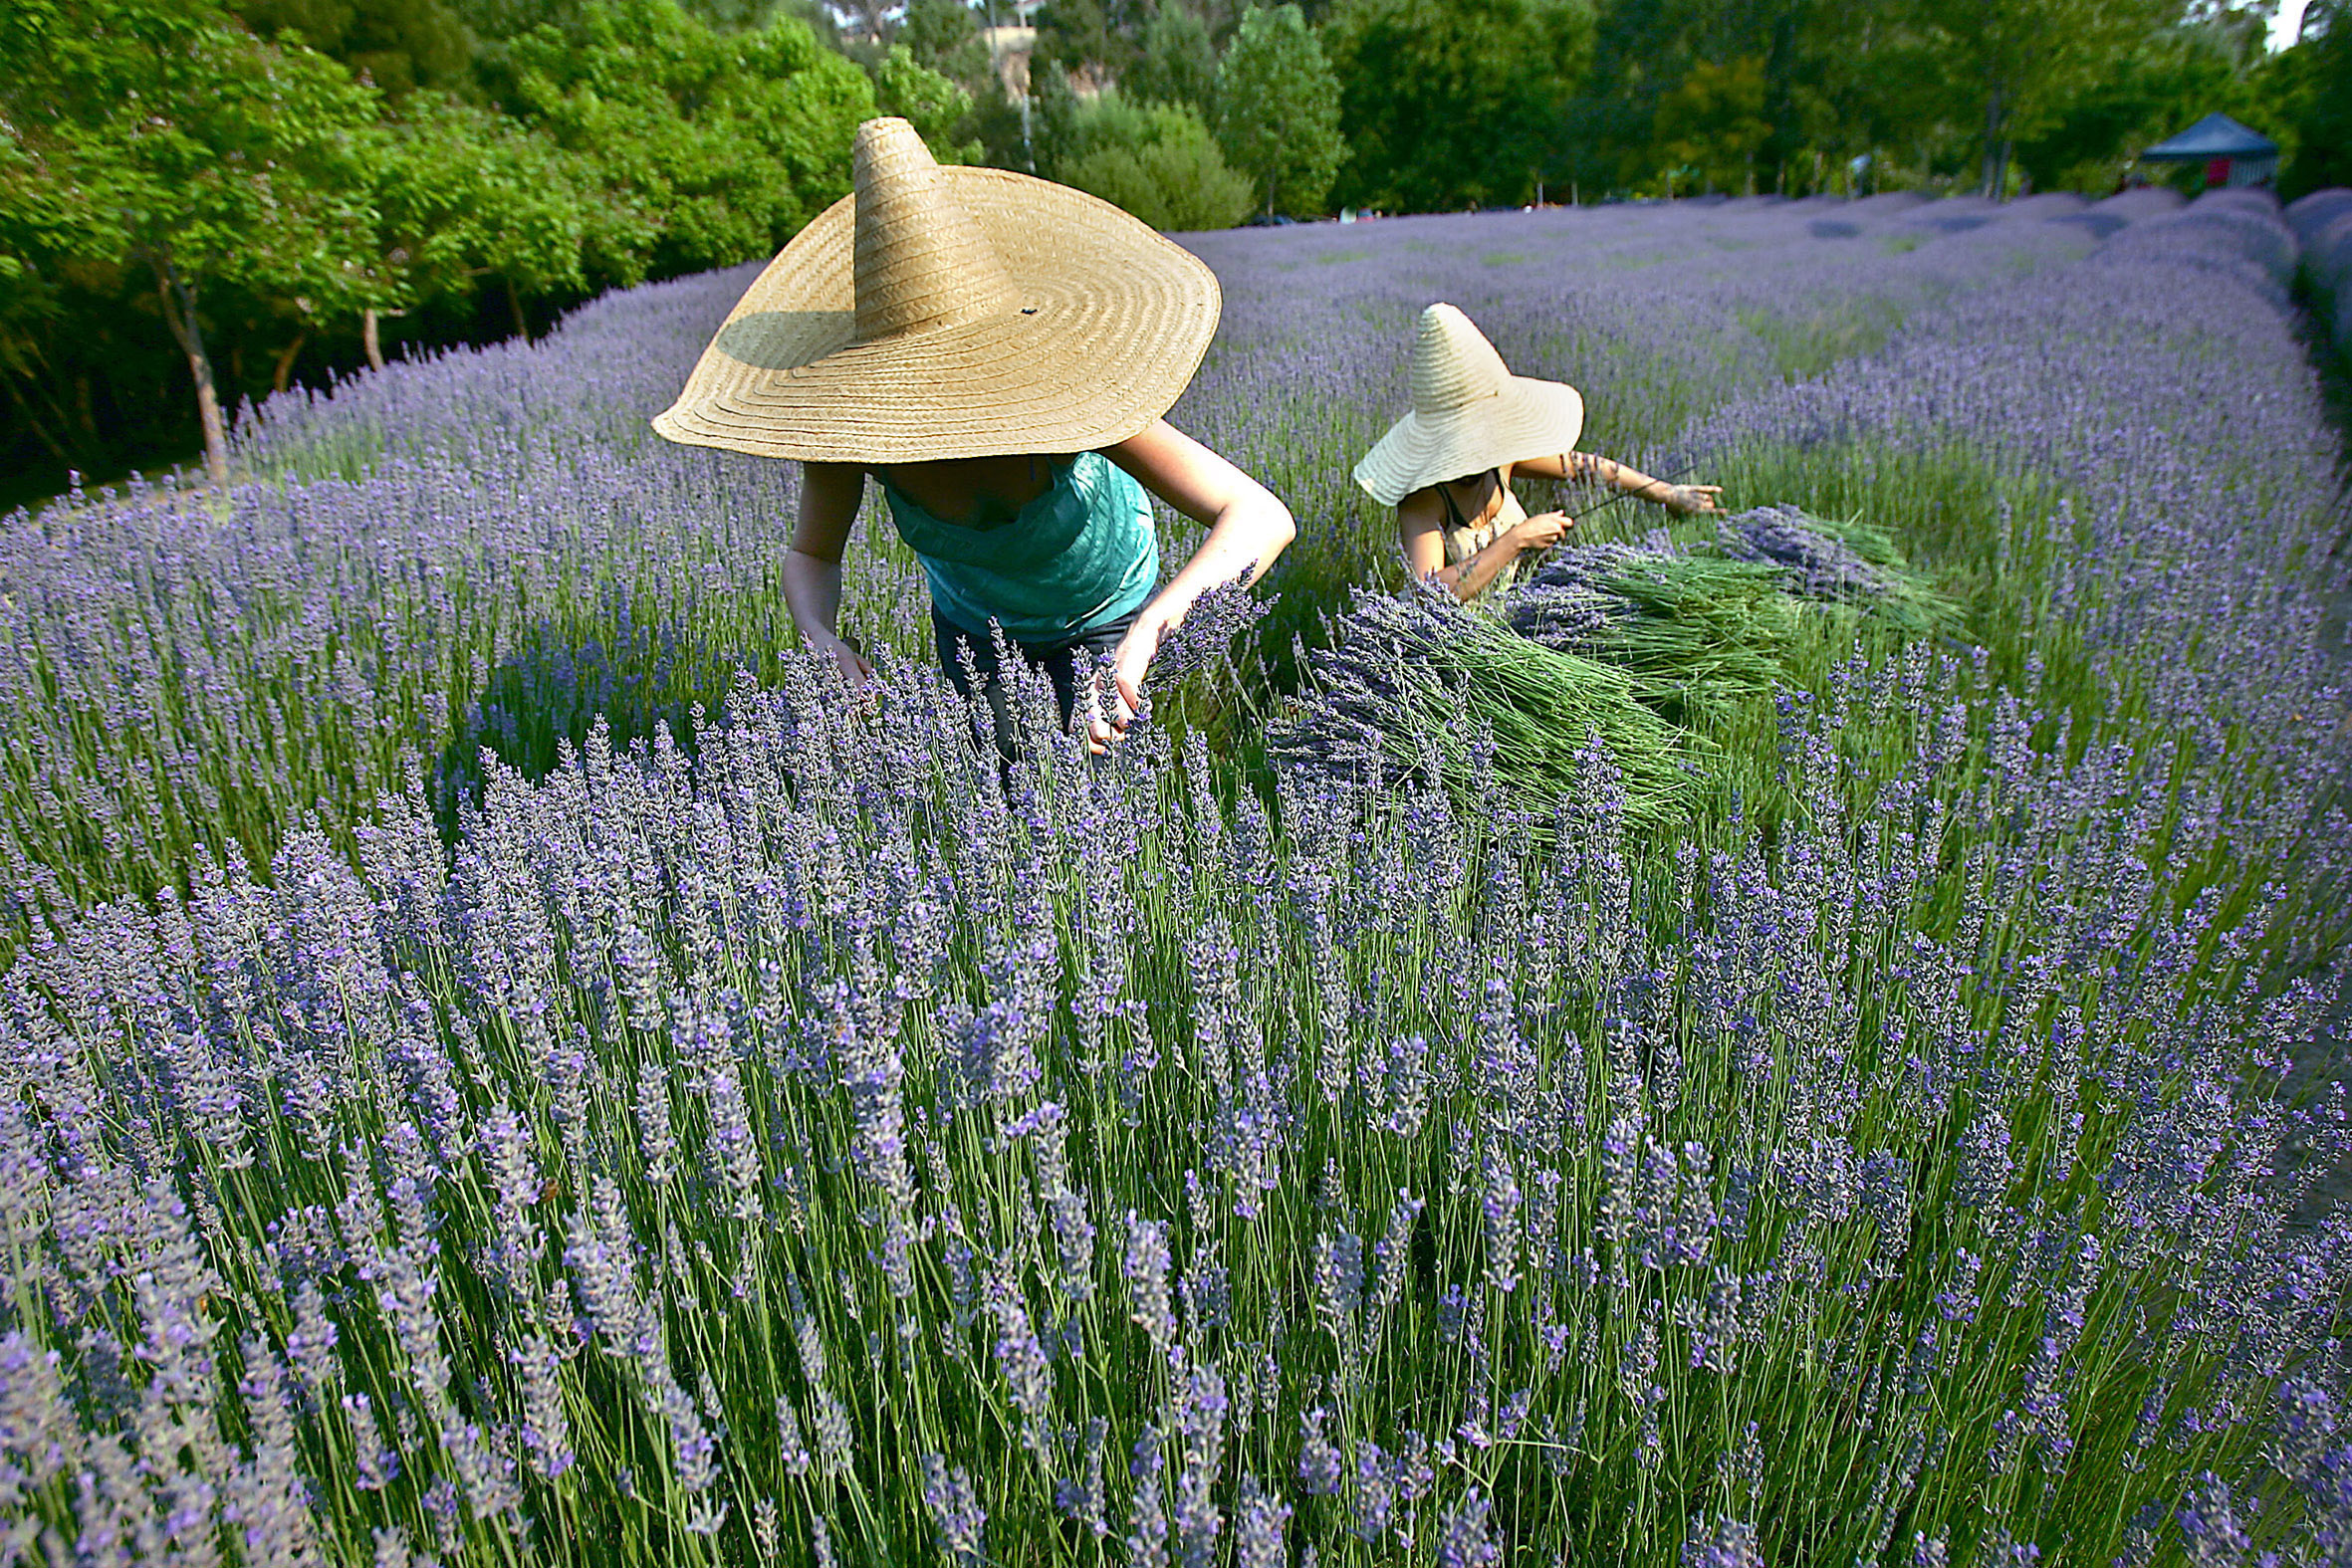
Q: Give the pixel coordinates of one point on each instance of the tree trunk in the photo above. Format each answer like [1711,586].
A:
[1783,59]
[370,339]
[179,314]
[283,371]
[514,302]
[1991,139]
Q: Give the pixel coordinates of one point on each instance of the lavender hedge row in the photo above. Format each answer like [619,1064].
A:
[713,1151]
[819,1147]
[2322,223]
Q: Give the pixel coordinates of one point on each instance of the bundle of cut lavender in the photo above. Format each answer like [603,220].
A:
[1690,629]
[1843,563]
[1411,684]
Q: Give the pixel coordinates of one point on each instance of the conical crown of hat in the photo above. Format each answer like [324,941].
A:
[921,263]
[1453,364]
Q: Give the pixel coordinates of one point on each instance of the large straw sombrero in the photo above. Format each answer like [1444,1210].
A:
[939,313]
[1470,413]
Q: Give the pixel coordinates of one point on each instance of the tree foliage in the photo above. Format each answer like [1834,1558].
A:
[2011,65]
[1449,103]
[2313,87]
[398,45]
[710,147]
[944,36]
[927,101]
[164,138]
[1094,40]
[2166,80]
[225,189]
[463,193]
[1711,126]
[1177,63]
[1159,162]
[1278,109]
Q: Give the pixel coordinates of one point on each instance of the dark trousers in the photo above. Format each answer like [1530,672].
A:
[1061,661]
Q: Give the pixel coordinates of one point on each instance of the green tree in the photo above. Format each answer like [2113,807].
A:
[1178,63]
[705,148]
[463,193]
[944,36]
[1712,124]
[2011,66]
[1453,103]
[158,134]
[927,101]
[2313,85]
[747,16]
[1093,39]
[1159,162]
[1278,109]
[401,45]
[2169,79]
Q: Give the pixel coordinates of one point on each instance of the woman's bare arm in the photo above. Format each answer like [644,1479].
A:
[829,495]
[1424,543]
[1608,471]
[1248,528]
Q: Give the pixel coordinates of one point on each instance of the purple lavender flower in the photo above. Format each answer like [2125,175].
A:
[1500,1210]
[1465,1539]
[1261,1520]
[955,1511]
[1724,1543]
[1080,1497]
[1149,1524]
[1321,1466]
[1029,1376]
[1201,1412]
[1146,1268]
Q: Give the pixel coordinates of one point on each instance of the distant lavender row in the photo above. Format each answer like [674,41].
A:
[2183,453]
[2322,222]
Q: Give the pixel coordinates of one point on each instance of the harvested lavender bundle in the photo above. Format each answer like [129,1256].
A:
[1413,685]
[1844,563]
[1691,630]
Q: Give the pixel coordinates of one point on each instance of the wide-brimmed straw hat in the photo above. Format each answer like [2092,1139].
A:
[1470,413]
[941,313]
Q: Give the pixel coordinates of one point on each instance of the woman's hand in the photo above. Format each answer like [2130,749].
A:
[1116,697]
[853,666]
[1540,532]
[1689,498]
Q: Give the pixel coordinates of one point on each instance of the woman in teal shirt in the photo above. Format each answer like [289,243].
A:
[996,351]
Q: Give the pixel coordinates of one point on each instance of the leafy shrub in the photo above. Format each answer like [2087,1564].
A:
[1159,163]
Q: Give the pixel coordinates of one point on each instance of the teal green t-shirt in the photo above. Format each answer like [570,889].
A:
[1080,555]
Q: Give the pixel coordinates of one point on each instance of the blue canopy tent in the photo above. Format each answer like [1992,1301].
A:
[2231,153]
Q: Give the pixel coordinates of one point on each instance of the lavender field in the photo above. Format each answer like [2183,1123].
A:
[504,1061]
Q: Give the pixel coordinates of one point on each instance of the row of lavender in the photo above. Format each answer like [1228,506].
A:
[2168,480]
[2322,222]
[485,548]
[826,1146]
[831,1148]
